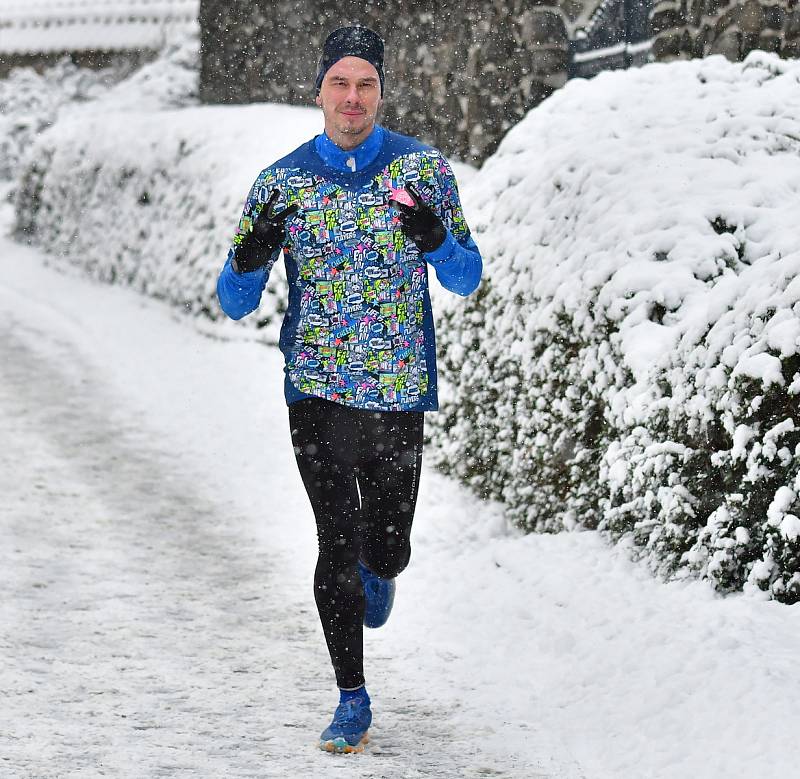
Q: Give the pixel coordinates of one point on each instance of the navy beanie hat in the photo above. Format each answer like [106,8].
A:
[355,41]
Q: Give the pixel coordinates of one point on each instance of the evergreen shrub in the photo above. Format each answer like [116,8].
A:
[632,360]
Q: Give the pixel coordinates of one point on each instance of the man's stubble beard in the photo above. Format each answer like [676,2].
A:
[348,129]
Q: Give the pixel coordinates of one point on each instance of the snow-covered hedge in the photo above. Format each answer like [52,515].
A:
[151,199]
[632,361]
[30,102]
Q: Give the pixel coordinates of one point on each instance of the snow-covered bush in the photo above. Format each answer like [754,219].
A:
[169,81]
[151,200]
[30,102]
[632,361]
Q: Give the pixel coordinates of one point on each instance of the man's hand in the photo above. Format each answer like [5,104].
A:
[267,235]
[420,223]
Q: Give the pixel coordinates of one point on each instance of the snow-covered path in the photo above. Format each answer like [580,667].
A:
[135,603]
[156,550]
[151,627]
[151,634]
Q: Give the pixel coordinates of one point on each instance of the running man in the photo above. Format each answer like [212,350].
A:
[359,213]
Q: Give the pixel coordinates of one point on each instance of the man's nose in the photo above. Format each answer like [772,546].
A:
[352,94]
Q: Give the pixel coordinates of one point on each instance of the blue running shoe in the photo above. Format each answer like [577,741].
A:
[378,597]
[351,720]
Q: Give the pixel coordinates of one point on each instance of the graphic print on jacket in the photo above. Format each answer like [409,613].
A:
[355,331]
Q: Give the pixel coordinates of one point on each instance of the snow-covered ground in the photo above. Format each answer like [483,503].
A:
[156,554]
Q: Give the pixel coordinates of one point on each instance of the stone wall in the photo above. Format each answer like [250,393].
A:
[459,73]
[696,28]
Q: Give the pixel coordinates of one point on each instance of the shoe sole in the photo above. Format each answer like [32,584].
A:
[340,746]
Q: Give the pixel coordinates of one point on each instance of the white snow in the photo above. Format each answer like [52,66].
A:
[790,527]
[592,210]
[784,498]
[31,101]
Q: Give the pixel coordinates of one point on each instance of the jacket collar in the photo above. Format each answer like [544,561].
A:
[358,158]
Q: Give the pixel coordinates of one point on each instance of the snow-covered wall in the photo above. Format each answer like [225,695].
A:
[31,101]
[41,26]
[632,360]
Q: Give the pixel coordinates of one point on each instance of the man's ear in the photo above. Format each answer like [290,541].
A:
[318,101]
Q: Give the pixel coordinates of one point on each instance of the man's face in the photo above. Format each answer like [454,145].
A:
[350,96]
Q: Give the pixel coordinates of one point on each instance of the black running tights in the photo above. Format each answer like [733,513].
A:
[361,471]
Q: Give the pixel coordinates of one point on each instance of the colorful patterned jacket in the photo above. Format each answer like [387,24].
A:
[359,327]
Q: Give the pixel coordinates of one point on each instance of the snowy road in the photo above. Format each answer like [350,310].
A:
[156,551]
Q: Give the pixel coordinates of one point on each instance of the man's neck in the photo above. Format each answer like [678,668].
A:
[349,142]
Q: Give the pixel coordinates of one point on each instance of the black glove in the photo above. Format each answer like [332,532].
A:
[420,223]
[267,235]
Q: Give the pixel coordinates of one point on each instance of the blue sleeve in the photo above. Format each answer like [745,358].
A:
[457,261]
[458,264]
[240,293]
